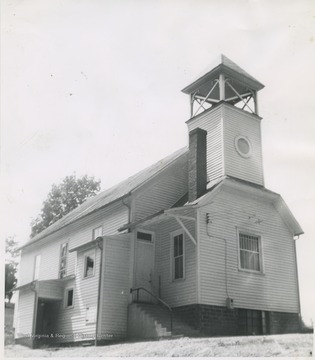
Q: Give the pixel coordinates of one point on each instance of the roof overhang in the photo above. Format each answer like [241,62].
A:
[159,216]
[211,75]
[88,245]
[51,289]
[255,191]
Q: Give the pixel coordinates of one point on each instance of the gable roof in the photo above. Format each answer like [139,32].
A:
[255,190]
[110,195]
[214,187]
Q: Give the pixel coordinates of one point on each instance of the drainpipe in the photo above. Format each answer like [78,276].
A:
[129,211]
[100,246]
[33,288]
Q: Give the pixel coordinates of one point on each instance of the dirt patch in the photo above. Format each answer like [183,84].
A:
[296,345]
[8,324]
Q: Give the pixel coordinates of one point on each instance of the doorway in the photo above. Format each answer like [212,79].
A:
[144,260]
[46,324]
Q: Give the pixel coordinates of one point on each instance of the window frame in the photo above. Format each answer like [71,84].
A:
[145,232]
[94,230]
[260,245]
[36,267]
[173,234]
[85,255]
[239,151]
[61,258]
[67,290]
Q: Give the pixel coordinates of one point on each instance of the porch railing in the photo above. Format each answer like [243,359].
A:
[159,301]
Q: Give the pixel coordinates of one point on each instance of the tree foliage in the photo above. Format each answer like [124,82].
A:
[63,198]
[11,257]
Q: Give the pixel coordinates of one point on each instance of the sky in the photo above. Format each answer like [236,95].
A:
[94,87]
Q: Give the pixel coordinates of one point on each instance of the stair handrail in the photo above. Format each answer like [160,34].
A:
[157,298]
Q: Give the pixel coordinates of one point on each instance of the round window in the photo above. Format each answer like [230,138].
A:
[243,146]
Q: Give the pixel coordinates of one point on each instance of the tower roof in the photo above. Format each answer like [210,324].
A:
[230,69]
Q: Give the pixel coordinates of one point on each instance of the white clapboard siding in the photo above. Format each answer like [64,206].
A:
[111,218]
[115,288]
[72,321]
[163,191]
[25,313]
[50,290]
[180,292]
[240,123]
[211,122]
[276,288]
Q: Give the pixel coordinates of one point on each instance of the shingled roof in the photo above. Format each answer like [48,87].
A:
[110,195]
[224,65]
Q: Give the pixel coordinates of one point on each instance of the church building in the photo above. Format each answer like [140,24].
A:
[193,245]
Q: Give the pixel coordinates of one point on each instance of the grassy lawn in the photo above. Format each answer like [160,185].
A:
[297,345]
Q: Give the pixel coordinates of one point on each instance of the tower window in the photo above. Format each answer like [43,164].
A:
[243,146]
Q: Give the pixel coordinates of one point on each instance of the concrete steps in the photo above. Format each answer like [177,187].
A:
[160,316]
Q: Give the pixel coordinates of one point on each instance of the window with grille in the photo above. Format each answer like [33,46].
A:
[63,260]
[178,256]
[250,252]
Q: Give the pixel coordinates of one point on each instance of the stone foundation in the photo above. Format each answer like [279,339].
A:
[284,323]
[221,321]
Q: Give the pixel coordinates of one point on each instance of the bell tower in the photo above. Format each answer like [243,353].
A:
[224,103]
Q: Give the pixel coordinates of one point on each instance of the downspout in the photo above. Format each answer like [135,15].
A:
[129,211]
[100,246]
[33,288]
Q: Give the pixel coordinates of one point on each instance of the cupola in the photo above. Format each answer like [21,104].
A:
[224,82]
[224,103]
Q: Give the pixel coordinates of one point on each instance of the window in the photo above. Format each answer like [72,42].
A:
[144,236]
[69,297]
[89,264]
[243,146]
[97,232]
[250,322]
[250,257]
[63,260]
[178,255]
[36,267]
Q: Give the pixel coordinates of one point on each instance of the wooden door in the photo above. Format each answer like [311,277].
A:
[144,266]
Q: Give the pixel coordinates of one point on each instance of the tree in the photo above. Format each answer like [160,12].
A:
[11,255]
[63,198]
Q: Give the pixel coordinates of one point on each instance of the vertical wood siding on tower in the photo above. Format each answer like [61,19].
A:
[240,123]
[25,313]
[115,288]
[211,122]
[276,288]
[179,292]
[163,192]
